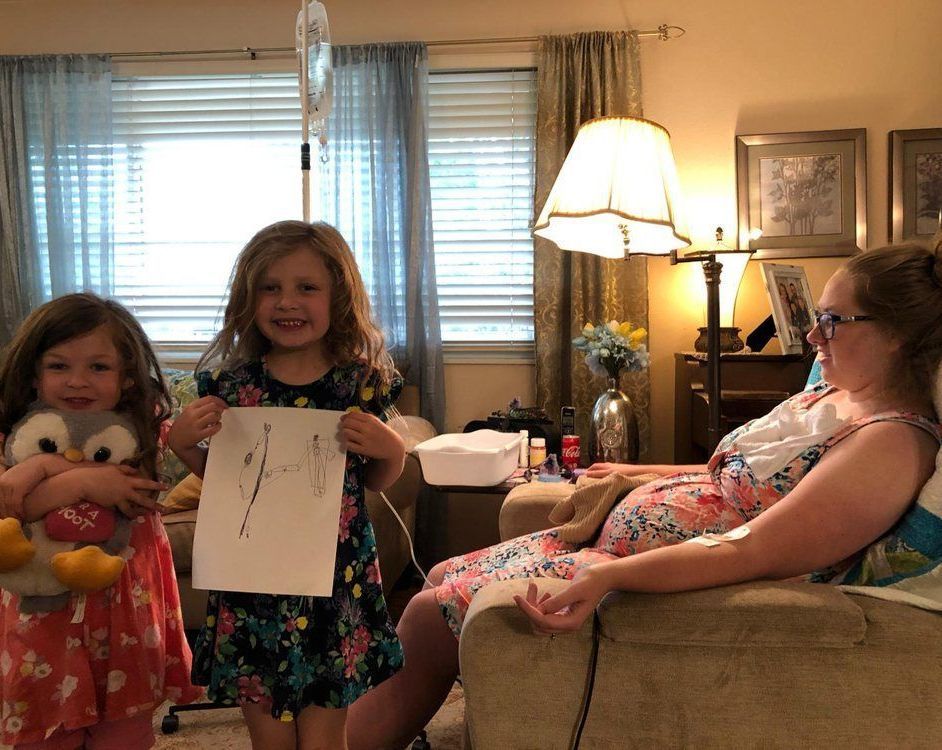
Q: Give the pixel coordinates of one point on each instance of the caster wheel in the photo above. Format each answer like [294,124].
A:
[170,724]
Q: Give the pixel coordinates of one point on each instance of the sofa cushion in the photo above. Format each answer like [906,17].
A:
[185,496]
[180,528]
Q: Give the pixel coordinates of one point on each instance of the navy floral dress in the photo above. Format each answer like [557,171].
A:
[291,652]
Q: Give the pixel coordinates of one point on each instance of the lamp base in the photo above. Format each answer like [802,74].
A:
[729,339]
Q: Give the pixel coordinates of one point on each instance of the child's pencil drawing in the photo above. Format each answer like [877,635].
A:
[256,475]
[270,505]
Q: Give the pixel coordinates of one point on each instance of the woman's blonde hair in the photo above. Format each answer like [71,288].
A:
[901,286]
[145,399]
[352,335]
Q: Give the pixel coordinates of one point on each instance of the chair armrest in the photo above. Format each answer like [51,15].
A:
[526,508]
[521,690]
[760,614]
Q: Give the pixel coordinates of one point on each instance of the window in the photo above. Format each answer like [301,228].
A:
[481,164]
[202,162]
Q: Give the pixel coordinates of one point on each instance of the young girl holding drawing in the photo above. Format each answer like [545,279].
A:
[298,332]
[91,674]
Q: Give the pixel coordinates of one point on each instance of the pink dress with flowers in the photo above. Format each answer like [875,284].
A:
[124,656]
[669,510]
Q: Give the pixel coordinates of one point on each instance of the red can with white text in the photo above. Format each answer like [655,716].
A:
[571,451]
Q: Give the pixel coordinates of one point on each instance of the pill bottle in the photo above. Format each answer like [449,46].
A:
[537,451]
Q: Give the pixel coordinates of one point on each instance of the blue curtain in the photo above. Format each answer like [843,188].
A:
[55,179]
[376,192]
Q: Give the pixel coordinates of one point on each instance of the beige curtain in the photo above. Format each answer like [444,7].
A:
[580,77]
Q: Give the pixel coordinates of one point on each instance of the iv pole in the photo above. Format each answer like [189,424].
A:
[305,125]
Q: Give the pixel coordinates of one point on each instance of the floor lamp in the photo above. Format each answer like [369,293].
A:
[617,194]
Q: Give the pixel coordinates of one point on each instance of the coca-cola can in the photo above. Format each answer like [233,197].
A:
[571,452]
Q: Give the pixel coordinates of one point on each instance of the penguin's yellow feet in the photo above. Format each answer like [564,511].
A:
[87,569]
[15,549]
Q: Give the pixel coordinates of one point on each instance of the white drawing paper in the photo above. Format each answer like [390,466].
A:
[270,504]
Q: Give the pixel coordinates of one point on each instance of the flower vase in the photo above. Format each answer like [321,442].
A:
[613,434]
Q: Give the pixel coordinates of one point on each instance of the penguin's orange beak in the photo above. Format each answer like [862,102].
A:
[74,455]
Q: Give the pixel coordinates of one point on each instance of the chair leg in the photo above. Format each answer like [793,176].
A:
[421,742]
[171,722]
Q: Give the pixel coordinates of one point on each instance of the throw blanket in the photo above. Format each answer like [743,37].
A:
[906,564]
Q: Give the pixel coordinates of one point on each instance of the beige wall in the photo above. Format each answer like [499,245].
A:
[743,67]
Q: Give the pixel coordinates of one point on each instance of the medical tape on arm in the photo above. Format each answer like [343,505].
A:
[714,540]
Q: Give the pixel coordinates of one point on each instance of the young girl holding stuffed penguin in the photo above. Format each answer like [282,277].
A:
[298,332]
[92,673]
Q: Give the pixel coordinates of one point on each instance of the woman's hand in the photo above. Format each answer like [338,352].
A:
[566,611]
[604,469]
[369,436]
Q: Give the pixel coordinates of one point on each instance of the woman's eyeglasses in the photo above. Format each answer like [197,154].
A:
[828,321]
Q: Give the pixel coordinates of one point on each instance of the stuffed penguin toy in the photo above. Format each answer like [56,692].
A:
[75,548]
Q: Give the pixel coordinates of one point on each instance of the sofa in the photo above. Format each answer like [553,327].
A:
[394,557]
[760,664]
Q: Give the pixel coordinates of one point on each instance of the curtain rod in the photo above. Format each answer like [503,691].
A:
[663,32]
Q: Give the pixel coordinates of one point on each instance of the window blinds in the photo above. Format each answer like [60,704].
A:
[203,162]
[481,162]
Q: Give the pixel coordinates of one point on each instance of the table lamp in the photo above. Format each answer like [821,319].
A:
[618,194]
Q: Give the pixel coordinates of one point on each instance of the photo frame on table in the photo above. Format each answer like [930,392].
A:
[802,194]
[915,184]
[792,304]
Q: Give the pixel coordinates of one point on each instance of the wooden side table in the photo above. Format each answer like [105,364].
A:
[752,385]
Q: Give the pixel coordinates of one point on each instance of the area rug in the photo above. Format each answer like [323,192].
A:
[224,730]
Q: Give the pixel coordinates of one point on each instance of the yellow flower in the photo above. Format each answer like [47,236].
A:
[353,408]
[588,329]
[301,622]
[636,337]
[301,401]
[367,393]
[357,591]
[624,329]
[348,574]
[287,716]
[210,620]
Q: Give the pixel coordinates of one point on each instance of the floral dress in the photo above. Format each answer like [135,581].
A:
[666,511]
[291,652]
[108,655]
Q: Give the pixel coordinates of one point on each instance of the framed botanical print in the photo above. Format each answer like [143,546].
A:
[802,194]
[792,304]
[915,184]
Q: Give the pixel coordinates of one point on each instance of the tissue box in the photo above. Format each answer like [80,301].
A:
[481,458]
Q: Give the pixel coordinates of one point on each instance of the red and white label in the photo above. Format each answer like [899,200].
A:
[82,522]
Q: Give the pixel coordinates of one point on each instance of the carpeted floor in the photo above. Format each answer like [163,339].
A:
[224,730]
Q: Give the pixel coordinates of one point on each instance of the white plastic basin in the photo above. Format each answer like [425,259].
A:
[481,458]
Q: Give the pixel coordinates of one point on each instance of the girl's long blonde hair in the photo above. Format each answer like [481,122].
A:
[352,335]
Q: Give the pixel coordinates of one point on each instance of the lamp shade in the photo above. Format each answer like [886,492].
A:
[619,174]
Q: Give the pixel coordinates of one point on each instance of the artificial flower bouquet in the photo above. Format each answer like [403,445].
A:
[612,347]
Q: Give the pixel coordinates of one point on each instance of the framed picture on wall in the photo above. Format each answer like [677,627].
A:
[792,304]
[802,194]
[915,184]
